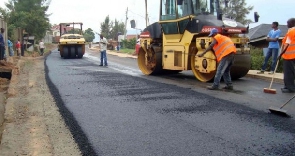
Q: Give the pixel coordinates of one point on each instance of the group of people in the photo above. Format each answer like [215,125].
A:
[9,44]
[225,50]
[17,46]
[287,53]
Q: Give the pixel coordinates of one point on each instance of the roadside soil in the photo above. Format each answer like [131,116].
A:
[30,120]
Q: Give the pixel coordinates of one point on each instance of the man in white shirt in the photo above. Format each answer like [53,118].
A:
[42,47]
[103,51]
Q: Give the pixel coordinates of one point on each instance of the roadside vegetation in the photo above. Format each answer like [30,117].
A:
[36,51]
[257,60]
[127,51]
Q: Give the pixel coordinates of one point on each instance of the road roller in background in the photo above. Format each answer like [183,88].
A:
[71,43]
[171,44]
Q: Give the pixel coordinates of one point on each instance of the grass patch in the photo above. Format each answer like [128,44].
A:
[127,51]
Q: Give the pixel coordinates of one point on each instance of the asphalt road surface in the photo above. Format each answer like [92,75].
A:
[116,110]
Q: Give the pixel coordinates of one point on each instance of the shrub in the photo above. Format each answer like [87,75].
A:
[129,44]
[257,60]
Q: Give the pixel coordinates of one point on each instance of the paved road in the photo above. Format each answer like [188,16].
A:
[118,111]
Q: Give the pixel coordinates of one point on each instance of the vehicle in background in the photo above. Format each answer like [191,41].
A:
[172,44]
[137,46]
[71,44]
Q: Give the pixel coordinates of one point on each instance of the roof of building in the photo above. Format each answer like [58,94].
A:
[56,27]
[260,32]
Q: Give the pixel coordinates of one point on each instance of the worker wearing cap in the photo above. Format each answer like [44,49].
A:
[224,50]
[288,55]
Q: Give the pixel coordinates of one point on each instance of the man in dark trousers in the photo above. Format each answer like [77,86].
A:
[103,51]
[288,55]
[2,44]
[224,50]
[273,48]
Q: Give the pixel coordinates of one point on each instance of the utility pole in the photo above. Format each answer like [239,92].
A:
[125,32]
[146,14]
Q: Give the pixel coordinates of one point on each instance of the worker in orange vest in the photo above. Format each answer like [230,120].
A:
[288,54]
[224,50]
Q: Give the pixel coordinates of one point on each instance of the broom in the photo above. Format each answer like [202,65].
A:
[269,90]
[280,111]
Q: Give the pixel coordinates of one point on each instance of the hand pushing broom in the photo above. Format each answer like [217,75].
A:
[269,90]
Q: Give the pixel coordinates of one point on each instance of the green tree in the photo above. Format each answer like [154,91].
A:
[116,28]
[106,27]
[89,35]
[74,31]
[30,15]
[129,44]
[237,10]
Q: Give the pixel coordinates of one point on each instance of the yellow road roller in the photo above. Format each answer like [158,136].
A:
[71,43]
[172,43]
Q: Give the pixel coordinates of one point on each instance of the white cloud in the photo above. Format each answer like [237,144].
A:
[272,10]
[93,12]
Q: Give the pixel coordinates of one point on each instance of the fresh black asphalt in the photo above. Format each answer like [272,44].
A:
[112,113]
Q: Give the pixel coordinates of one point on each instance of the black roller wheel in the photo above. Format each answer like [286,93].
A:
[73,53]
[80,52]
[65,52]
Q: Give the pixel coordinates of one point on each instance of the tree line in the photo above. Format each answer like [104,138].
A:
[31,16]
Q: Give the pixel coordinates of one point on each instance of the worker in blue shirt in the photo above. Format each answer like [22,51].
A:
[10,47]
[273,48]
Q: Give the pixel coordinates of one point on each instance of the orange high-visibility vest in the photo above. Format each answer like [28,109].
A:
[223,47]
[285,38]
[290,52]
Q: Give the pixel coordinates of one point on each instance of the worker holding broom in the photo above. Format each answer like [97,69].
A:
[288,54]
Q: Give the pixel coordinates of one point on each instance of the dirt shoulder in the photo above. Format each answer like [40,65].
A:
[32,122]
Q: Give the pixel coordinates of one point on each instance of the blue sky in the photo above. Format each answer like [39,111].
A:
[93,12]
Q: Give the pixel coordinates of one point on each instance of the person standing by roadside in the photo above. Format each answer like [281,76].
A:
[224,50]
[288,55]
[41,47]
[10,47]
[103,51]
[2,44]
[273,48]
[17,47]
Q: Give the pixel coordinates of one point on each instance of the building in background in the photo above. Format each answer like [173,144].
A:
[54,34]
[257,35]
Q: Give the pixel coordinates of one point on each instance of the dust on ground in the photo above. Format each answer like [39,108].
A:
[32,123]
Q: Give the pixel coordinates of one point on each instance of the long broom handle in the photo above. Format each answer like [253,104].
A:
[278,60]
[273,75]
[287,101]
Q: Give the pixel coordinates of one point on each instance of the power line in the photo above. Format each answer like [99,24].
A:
[137,14]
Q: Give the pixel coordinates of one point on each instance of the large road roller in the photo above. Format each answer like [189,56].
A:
[172,43]
[71,43]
